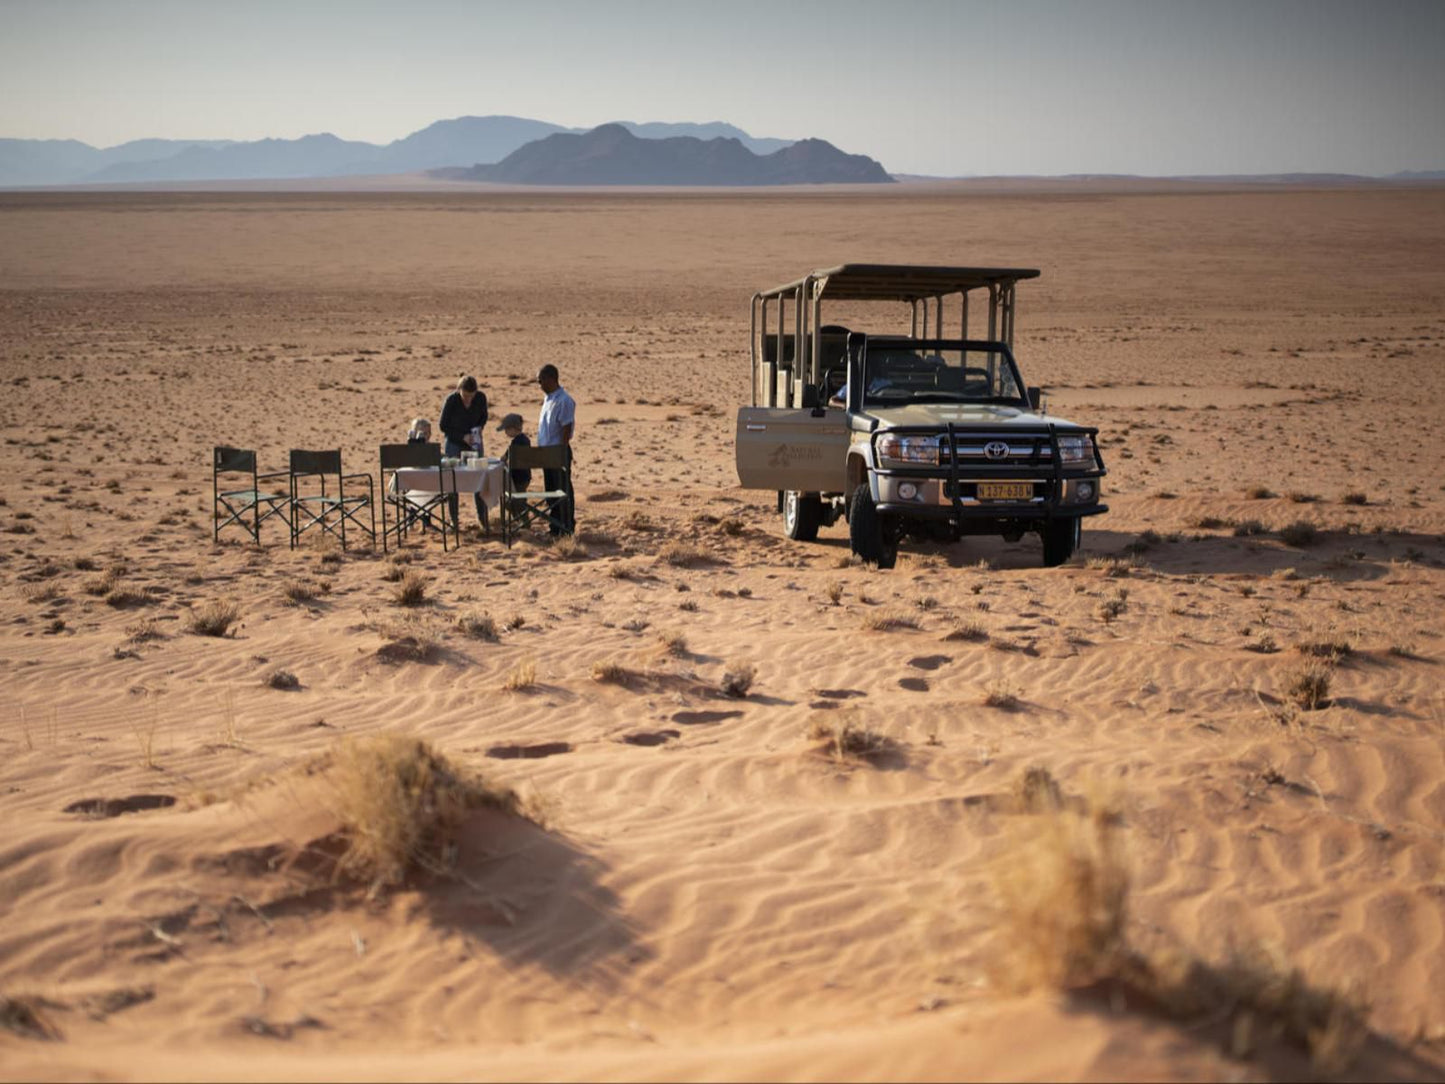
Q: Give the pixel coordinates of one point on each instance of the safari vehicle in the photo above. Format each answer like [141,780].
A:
[914,435]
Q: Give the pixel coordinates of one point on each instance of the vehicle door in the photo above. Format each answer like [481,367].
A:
[803,449]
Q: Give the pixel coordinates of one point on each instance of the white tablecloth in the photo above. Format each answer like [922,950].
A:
[486,478]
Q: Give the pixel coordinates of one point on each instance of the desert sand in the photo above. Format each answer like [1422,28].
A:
[703,890]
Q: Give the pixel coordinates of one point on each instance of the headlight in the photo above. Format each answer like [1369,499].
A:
[909,449]
[1076,451]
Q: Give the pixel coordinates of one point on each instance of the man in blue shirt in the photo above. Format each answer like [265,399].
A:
[555,426]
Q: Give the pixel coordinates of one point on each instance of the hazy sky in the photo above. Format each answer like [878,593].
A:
[946,87]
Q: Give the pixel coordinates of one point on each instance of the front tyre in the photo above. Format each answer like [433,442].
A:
[866,535]
[1061,539]
[802,515]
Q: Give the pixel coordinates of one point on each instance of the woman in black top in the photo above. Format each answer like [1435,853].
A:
[463,415]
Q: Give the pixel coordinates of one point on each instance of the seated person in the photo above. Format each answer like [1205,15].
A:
[512,427]
[420,432]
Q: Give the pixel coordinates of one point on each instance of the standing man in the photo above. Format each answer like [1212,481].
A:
[555,426]
[463,415]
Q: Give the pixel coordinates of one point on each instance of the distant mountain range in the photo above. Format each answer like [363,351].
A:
[463,141]
[613,155]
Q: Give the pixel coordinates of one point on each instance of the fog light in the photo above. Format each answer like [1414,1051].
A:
[907,491]
[1085,491]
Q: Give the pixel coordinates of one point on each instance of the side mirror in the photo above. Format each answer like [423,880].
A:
[1036,398]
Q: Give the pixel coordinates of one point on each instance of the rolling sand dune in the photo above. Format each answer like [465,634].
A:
[704,890]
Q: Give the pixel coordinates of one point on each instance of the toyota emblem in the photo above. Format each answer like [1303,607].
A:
[995,449]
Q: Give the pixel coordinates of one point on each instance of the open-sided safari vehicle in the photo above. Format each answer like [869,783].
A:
[908,435]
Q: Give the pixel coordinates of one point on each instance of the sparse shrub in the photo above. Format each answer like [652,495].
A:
[673,643]
[477,626]
[738,679]
[687,606]
[1065,895]
[396,568]
[1259,493]
[1298,497]
[399,801]
[1000,694]
[214,618]
[1110,608]
[834,592]
[1037,791]
[515,622]
[521,677]
[609,673]
[122,596]
[1246,528]
[1110,566]
[27,1017]
[732,527]
[568,547]
[40,592]
[1330,645]
[410,590]
[303,590]
[1300,533]
[968,632]
[1354,497]
[282,679]
[1309,686]
[86,564]
[1265,644]
[888,620]
[1210,523]
[846,738]
[683,554]
[101,585]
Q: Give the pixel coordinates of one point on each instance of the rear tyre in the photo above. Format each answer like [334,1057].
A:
[802,515]
[1061,539]
[866,535]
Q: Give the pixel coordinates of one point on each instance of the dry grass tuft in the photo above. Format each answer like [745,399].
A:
[282,679]
[410,590]
[1110,608]
[399,801]
[477,626]
[1355,498]
[568,547]
[299,591]
[214,618]
[27,1018]
[1299,534]
[673,643]
[738,678]
[521,677]
[1000,694]
[1259,493]
[1248,528]
[888,620]
[610,673]
[1309,686]
[834,591]
[1329,645]
[684,555]
[847,738]
[1065,895]
[969,632]
[1038,791]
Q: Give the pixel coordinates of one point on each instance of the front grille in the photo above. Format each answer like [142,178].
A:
[1024,449]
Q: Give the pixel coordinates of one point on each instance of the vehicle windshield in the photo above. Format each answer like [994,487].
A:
[925,372]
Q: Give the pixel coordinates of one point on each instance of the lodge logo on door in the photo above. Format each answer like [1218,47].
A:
[785,455]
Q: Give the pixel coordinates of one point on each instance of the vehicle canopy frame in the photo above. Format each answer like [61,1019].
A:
[778,381]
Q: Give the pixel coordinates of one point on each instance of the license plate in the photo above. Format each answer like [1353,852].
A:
[1005,491]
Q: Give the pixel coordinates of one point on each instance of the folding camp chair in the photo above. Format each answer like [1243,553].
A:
[247,508]
[427,507]
[330,510]
[552,504]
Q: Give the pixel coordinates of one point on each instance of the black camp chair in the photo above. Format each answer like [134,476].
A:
[247,507]
[314,505]
[552,506]
[427,507]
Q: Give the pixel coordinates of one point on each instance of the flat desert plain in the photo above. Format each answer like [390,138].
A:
[1175,810]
